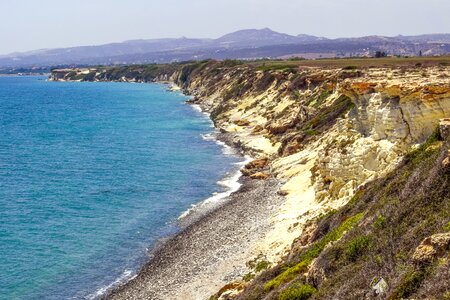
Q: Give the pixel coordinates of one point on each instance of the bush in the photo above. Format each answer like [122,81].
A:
[313,251]
[409,284]
[262,265]
[350,68]
[447,227]
[380,222]
[277,67]
[356,247]
[297,292]
[249,276]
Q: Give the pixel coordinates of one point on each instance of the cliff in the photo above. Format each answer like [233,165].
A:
[359,193]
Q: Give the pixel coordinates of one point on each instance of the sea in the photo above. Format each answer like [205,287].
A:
[92,176]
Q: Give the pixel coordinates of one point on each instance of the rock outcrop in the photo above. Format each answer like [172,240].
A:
[432,247]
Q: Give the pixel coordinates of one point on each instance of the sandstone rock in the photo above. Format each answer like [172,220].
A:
[260,175]
[257,163]
[446,161]
[241,122]
[292,148]
[255,167]
[432,247]
[277,128]
[230,290]
[257,129]
[246,172]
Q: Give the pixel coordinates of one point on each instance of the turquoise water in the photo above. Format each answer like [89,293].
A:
[91,175]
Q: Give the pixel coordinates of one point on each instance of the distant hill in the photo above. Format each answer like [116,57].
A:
[243,44]
[256,38]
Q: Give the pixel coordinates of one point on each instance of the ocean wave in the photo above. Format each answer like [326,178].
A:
[198,108]
[227,150]
[230,182]
[126,276]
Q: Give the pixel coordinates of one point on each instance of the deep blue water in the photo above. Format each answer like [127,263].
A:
[92,174]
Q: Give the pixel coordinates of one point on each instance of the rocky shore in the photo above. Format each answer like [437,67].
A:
[218,245]
[211,252]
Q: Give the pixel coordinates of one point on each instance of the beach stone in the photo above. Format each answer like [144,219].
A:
[255,167]
[260,175]
[257,163]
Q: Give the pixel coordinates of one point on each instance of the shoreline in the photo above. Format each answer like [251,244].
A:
[188,218]
[210,252]
[200,259]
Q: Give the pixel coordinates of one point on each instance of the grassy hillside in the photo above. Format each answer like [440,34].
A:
[373,237]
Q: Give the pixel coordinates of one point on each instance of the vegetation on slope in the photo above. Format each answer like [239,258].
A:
[150,72]
[374,237]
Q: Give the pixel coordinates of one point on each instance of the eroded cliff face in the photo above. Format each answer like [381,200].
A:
[325,131]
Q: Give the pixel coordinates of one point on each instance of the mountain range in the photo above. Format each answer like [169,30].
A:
[243,44]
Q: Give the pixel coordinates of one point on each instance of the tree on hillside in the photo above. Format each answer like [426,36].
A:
[379,54]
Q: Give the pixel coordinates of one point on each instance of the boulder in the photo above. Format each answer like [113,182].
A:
[255,168]
[257,163]
[380,287]
[260,175]
[432,247]
[446,161]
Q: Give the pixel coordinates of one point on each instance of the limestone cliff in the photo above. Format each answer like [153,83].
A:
[325,133]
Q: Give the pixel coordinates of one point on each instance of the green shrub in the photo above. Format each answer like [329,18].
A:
[262,265]
[229,63]
[297,292]
[350,68]
[356,247]
[259,263]
[277,67]
[447,227]
[313,252]
[380,222]
[359,193]
[446,296]
[409,284]
[249,276]
[424,150]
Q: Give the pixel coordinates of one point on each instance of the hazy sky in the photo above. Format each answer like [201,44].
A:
[32,24]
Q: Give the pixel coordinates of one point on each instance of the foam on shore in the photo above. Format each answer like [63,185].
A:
[124,277]
[230,182]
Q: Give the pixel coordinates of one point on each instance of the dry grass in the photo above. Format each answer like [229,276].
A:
[347,63]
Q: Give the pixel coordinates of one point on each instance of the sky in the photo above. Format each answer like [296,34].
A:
[30,24]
